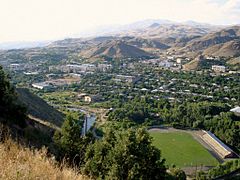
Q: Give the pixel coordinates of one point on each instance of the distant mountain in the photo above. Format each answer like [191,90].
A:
[144,27]
[66,42]
[144,43]
[227,49]
[154,25]
[21,45]
[92,42]
[115,29]
[140,39]
[214,38]
[194,23]
[156,31]
[177,42]
[115,49]
[146,23]
[80,43]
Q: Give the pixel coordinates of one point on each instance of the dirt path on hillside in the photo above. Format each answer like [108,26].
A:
[45,123]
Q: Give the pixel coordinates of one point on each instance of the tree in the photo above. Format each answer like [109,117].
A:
[71,145]
[11,113]
[220,170]
[177,174]
[124,154]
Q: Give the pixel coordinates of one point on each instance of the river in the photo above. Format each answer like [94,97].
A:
[89,120]
[88,123]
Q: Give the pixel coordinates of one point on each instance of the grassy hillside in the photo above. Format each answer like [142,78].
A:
[39,108]
[19,163]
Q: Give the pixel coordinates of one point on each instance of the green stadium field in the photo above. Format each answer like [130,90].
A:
[181,149]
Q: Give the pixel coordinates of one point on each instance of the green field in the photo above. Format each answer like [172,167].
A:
[182,149]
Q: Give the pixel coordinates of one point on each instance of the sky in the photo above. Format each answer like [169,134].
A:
[34,20]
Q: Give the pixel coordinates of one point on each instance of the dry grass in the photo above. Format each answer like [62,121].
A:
[17,162]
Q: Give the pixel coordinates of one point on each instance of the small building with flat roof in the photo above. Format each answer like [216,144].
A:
[217,68]
[42,85]
[236,111]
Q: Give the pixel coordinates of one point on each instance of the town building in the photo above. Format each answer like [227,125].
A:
[87,99]
[165,64]
[104,67]
[30,73]
[217,68]
[42,85]
[179,60]
[75,68]
[236,111]
[128,79]
[16,67]
[92,98]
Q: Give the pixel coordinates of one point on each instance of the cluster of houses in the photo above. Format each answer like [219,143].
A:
[51,84]
[168,61]
[222,70]
[218,69]
[80,68]
[176,63]
[25,68]
[28,68]
[127,79]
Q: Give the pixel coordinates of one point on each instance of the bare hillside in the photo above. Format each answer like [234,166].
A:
[115,49]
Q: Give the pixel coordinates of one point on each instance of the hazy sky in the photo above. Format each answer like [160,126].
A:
[28,20]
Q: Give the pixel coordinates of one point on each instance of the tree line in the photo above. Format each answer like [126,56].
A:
[122,153]
[212,116]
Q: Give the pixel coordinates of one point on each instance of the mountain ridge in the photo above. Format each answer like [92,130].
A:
[118,49]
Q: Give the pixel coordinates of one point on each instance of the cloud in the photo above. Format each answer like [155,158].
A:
[53,19]
[231,11]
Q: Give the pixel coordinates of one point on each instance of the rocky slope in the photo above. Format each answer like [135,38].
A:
[212,39]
